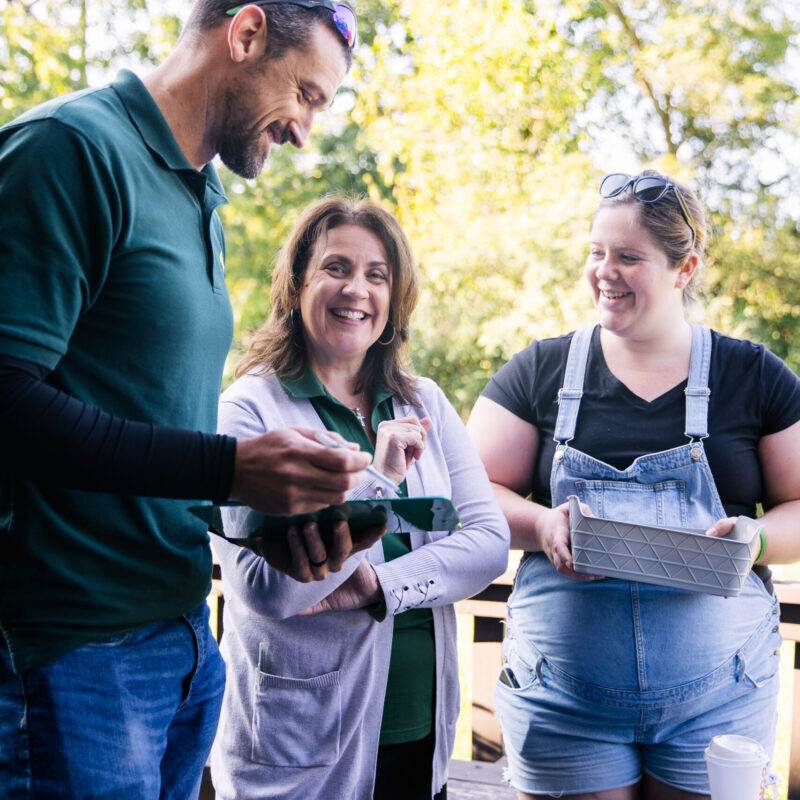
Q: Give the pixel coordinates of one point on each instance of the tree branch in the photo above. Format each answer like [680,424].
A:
[613,7]
[84,79]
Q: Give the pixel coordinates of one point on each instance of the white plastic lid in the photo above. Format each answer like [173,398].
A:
[737,748]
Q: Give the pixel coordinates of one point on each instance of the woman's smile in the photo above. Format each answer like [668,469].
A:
[609,295]
[346,296]
[349,314]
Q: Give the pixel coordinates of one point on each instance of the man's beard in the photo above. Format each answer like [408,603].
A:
[241,147]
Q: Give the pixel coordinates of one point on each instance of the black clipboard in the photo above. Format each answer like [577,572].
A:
[242,525]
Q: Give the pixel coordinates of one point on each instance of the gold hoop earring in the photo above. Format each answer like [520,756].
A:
[394,332]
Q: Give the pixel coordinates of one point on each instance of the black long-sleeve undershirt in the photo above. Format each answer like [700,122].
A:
[52,437]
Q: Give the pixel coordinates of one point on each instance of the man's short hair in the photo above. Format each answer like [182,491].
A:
[289,26]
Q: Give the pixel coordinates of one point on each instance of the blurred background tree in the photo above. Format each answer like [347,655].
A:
[49,47]
[486,125]
[502,116]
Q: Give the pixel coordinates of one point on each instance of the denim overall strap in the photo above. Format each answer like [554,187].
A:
[571,391]
[697,391]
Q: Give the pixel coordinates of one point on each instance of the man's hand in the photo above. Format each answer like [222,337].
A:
[303,556]
[287,471]
[360,590]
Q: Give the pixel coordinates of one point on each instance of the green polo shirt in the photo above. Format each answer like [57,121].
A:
[409,704]
[113,278]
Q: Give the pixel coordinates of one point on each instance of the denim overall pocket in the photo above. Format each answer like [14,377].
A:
[518,672]
[662,503]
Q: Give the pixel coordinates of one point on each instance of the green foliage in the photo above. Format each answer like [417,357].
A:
[475,129]
[492,115]
[710,80]
[41,60]
[50,47]
[754,290]
[485,125]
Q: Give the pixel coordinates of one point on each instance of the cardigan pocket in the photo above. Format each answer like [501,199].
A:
[297,721]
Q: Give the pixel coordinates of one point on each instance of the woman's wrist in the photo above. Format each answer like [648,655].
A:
[543,521]
[393,475]
[527,525]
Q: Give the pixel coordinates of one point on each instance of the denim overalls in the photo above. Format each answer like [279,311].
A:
[624,644]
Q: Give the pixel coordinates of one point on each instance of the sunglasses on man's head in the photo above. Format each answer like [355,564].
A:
[344,18]
[645,189]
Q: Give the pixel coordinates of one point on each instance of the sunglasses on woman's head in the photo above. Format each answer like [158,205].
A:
[645,189]
[344,18]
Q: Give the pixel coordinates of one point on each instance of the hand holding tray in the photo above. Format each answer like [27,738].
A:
[684,558]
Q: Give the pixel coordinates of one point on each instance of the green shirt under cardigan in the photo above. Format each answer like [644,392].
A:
[113,278]
[409,704]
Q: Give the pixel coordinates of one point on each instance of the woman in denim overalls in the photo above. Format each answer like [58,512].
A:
[612,689]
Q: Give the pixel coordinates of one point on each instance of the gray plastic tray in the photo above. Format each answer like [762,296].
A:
[684,558]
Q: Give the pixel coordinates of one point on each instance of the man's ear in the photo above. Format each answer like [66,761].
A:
[247,35]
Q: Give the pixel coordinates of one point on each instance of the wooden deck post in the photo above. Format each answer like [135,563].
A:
[789,595]
[794,742]
[487,740]
[489,611]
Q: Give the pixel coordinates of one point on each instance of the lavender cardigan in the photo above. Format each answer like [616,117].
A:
[303,720]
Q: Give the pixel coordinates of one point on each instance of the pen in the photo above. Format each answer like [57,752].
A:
[328,441]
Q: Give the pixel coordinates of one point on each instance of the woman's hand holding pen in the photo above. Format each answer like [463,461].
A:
[399,443]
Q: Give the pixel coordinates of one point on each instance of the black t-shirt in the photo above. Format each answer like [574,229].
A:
[753,394]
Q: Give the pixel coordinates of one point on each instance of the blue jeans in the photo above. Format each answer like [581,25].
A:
[130,717]
[566,736]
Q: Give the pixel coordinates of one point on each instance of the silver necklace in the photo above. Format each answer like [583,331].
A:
[360,417]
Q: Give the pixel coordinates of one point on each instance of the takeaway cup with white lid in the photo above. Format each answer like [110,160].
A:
[737,767]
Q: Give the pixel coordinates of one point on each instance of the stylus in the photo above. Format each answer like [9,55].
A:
[328,441]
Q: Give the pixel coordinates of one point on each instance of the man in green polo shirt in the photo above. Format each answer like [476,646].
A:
[114,328]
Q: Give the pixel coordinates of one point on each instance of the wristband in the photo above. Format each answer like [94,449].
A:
[763,537]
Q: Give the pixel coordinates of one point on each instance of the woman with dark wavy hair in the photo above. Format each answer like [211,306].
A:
[347,687]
